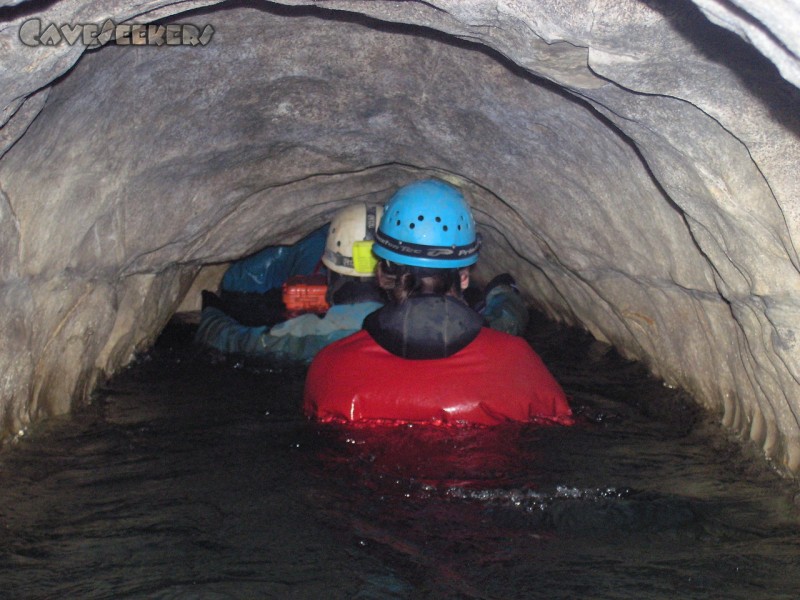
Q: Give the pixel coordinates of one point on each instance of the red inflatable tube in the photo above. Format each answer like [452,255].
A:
[497,378]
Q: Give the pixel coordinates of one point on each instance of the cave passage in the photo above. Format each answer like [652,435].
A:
[633,167]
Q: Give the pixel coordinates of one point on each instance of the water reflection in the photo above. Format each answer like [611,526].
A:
[194,479]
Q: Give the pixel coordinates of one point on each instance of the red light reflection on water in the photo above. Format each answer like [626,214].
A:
[469,457]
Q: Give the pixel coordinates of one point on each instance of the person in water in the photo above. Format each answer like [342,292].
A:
[352,293]
[426,356]
[250,319]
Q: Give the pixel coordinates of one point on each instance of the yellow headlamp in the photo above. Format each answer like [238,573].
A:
[364,260]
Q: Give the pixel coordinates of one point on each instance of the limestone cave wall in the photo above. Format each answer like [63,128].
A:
[632,162]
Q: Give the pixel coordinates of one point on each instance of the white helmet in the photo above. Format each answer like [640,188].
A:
[348,249]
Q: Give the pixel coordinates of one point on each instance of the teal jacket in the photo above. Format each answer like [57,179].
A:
[299,339]
[296,340]
[505,310]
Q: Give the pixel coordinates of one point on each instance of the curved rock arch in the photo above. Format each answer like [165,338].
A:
[632,163]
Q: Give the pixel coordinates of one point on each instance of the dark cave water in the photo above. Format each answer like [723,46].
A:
[196,478]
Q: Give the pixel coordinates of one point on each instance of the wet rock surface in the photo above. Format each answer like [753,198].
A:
[634,166]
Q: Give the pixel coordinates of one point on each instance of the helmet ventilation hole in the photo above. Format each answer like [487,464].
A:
[427,223]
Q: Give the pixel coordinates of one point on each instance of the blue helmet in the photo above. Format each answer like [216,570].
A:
[428,224]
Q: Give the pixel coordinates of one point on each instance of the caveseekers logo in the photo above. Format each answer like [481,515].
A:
[34,33]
